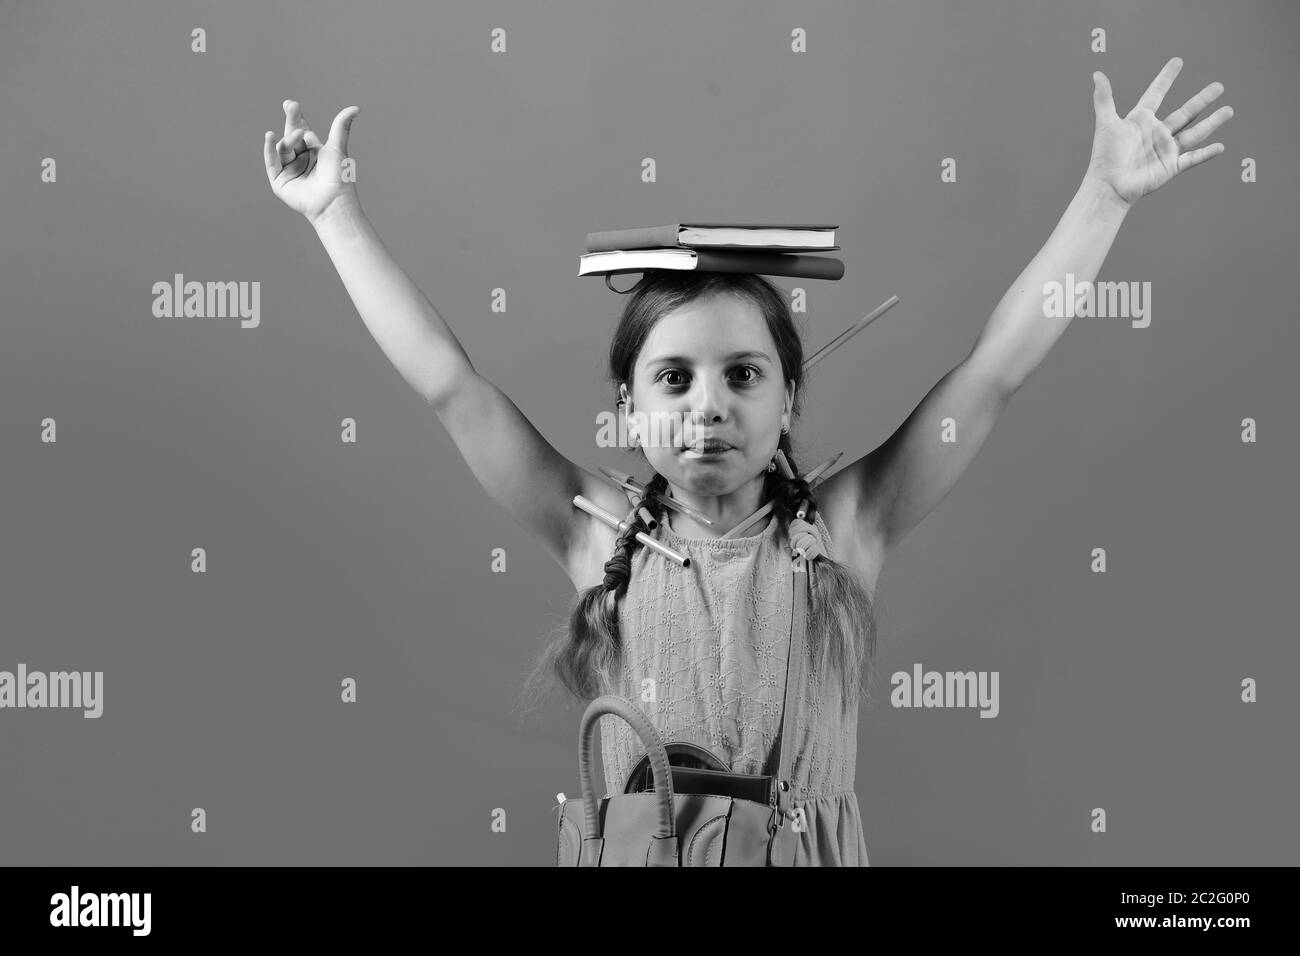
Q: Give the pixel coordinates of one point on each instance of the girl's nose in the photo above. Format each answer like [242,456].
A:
[710,404]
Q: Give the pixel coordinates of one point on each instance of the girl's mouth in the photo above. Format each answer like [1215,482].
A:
[708,448]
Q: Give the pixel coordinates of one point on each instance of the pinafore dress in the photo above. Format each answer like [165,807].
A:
[714,638]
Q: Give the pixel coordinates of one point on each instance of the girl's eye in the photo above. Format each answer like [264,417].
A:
[754,371]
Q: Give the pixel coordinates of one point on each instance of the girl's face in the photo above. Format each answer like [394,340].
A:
[709,370]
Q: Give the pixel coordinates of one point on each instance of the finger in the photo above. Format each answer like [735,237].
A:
[312,141]
[290,149]
[1103,100]
[1184,114]
[293,143]
[284,151]
[1197,156]
[341,128]
[1155,93]
[270,156]
[1201,131]
[311,138]
[292,116]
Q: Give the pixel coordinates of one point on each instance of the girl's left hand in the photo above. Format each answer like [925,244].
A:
[1139,153]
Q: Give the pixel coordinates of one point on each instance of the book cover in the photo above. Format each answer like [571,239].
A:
[687,235]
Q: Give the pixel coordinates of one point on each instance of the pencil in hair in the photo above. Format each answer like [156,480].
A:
[601,514]
[630,483]
[848,333]
[812,476]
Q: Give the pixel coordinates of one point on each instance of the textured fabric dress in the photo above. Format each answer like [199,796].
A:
[714,637]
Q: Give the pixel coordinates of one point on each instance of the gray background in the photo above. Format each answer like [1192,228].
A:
[373,560]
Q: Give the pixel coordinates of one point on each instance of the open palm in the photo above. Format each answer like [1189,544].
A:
[1139,153]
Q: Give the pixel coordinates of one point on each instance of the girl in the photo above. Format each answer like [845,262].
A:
[721,352]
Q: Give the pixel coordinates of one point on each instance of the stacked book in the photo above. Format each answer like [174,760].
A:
[773,249]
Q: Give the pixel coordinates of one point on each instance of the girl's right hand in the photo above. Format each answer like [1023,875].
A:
[304,172]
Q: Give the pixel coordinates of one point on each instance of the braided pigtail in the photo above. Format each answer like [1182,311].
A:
[587,656]
[842,619]
[618,569]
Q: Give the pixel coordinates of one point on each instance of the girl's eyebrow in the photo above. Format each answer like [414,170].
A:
[684,360]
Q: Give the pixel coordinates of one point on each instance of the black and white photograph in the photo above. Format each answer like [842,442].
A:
[675,434]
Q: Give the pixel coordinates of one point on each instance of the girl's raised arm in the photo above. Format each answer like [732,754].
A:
[515,464]
[891,489]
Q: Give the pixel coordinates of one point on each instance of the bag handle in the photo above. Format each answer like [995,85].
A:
[663,842]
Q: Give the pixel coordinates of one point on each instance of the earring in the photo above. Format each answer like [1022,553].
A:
[785,429]
[771,465]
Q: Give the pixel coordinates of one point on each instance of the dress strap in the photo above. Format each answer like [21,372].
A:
[794,677]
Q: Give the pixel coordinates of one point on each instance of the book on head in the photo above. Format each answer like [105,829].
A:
[760,262]
[786,237]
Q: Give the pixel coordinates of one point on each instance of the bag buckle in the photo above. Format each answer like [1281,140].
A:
[781,811]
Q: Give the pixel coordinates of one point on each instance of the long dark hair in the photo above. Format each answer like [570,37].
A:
[586,658]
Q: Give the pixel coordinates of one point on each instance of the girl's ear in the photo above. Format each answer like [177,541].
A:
[628,415]
[624,399]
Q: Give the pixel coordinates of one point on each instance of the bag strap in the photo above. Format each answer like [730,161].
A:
[783,789]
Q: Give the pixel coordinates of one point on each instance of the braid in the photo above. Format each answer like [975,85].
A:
[618,569]
[793,492]
[587,656]
[790,493]
[839,606]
